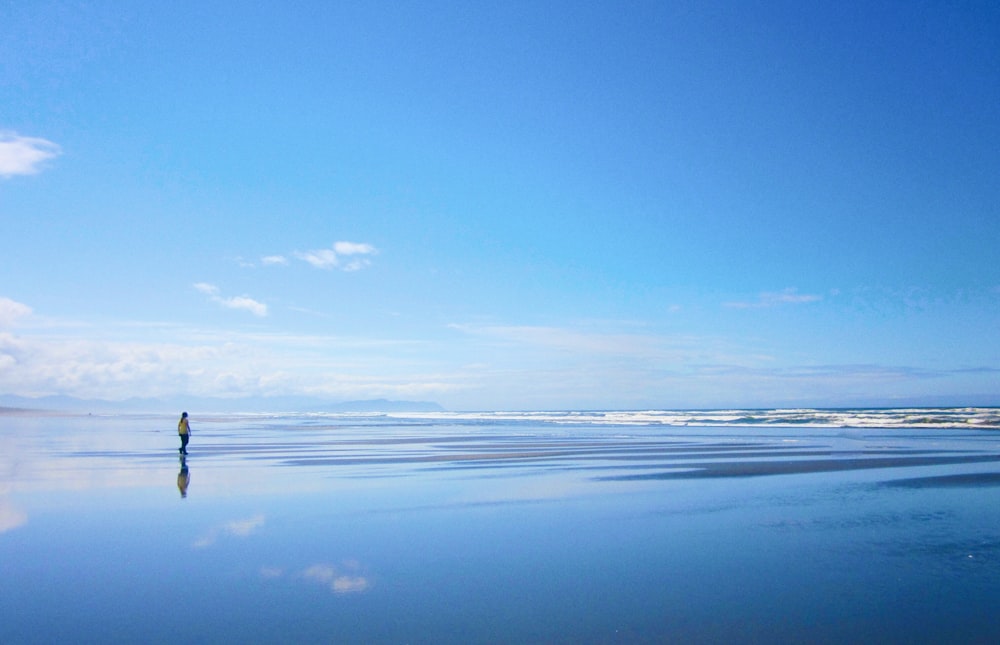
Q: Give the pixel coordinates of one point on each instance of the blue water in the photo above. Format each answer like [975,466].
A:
[555,528]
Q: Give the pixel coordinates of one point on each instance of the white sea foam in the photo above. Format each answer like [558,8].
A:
[976,418]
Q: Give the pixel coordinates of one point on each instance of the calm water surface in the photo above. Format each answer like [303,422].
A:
[340,529]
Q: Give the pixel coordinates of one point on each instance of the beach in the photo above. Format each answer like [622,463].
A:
[636,527]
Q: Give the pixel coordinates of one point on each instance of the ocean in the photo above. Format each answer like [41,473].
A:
[719,526]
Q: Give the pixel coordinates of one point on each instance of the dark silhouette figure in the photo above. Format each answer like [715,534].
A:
[184,430]
[183,478]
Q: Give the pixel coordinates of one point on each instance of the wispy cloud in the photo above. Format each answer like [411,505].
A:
[24,155]
[867,373]
[346,256]
[233,302]
[774,298]
[563,338]
[273,260]
[11,311]
[599,345]
[321,258]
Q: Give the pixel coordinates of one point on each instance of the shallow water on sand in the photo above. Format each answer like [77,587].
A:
[416,530]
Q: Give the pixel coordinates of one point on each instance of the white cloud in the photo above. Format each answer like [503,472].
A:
[243,302]
[24,155]
[235,302]
[321,259]
[346,256]
[357,265]
[91,368]
[353,248]
[770,299]
[207,289]
[11,311]
[271,260]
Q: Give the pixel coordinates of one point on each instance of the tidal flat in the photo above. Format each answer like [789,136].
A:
[496,529]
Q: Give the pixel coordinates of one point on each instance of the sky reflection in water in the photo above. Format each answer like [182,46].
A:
[306,529]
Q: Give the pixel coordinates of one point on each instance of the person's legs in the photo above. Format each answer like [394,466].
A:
[184,444]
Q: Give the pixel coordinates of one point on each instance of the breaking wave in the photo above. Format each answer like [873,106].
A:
[968,418]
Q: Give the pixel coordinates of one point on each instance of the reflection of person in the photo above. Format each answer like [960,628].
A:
[183,478]
[184,430]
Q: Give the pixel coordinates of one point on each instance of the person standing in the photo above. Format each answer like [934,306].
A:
[184,430]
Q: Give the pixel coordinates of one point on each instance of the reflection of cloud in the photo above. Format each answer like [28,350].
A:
[243,528]
[545,489]
[236,528]
[347,584]
[348,578]
[10,517]
[340,582]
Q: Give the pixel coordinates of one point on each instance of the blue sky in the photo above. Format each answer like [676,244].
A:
[518,205]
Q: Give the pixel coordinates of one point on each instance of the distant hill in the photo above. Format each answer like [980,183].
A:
[211,404]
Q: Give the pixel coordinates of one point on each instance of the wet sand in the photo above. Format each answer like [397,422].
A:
[281,530]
